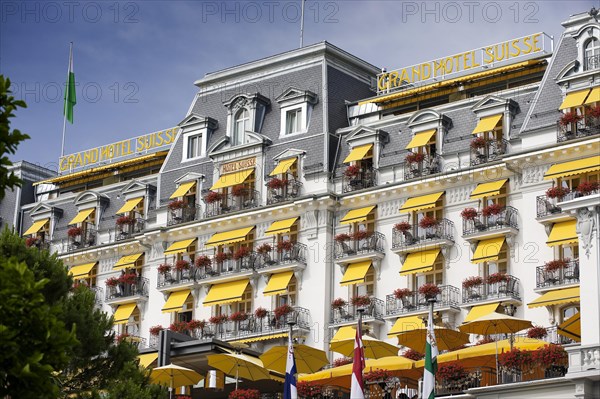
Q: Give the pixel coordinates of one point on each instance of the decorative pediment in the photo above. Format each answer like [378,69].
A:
[428,118]
[223,145]
[87,199]
[246,100]
[191,176]
[568,70]
[42,210]
[587,31]
[294,96]
[491,104]
[135,187]
[366,134]
[289,153]
[195,121]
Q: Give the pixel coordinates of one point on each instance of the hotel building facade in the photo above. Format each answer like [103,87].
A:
[308,184]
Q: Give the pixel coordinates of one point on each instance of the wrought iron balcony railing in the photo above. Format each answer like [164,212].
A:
[125,231]
[428,166]
[373,242]
[592,62]
[364,179]
[577,194]
[507,217]
[561,276]
[492,151]
[99,294]
[87,238]
[232,203]
[507,288]
[291,189]
[417,235]
[415,302]
[125,289]
[296,252]
[584,128]
[186,214]
[349,312]
[546,206]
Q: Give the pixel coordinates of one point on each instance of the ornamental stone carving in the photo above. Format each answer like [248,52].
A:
[585,226]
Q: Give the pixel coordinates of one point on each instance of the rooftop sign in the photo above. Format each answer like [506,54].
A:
[493,56]
[119,151]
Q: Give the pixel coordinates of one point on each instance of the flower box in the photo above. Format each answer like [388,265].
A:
[402,227]
[284,246]
[361,235]
[377,375]
[164,268]
[557,192]
[451,372]
[413,355]
[155,330]
[276,183]
[242,252]
[556,264]
[283,310]
[74,232]
[179,326]
[219,319]
[414,157]
[492,210]
[569,118]
[514,360]
[244,394]
[352,171]
[537,332]
[428,222]
[239,190]
[221,257]
[594,111]
[361,300]
[31,241]
[342,361]
[429,290]
[338,303]
[261,313]
[182,265]
[469,213]
[112,282]
[587,187]
[497,278]
[264,249]
[212,197]
[551,355]
[473,281]
[125,220]
[309,389]
[401,293]
[238,316]
[175,205]
[128,278]
[478,143]
[203,261]
[342,237]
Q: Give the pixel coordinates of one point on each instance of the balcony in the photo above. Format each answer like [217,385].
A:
[280,257]
[356,247]
[505,221]
[547,207]
[414,302]
[492,150]
[286,191]
[575,194]
[188,213]
[420,238]
[125,291]
[86,238]
[584,128]
[428,166]
[552,337]
[127,230]
[364,179]
[569,274]
[508,288]
[232,203]
[348,313]
[134,340]
[99,294]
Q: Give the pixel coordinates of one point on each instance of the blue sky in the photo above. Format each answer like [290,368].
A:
[136,61]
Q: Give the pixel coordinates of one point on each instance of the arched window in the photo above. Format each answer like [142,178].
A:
[241,123]
[591,54]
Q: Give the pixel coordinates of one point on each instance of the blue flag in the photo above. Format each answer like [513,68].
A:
[289,388]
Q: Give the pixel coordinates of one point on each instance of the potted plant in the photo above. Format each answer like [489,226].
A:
[284,246]
[514,361]
[587,187]
[244,394]
[557,192]
[414,157]
[413,355]
[451,373]
[427,222]
[239,190]
[492,210]
[125,220]
[164,268]
[342,237]
[112,282]
[219,319]
[554,358]
[276,183]
[361,300]
[469,213]
[31,241]
[238,316]
[556,264]
[264,249]
[128,278]
[402,227]
[473,281]
[429,290]
[175,205]
[283,310]
[401,293]
[338,303]
[179,326]
[377,375]
[352,171]
[221,257]
[342,361]
[212,197]
[155,330]
[594,111]
[309,389]
[74,232]
[203,261]
[478,143]
[537,332]
[359,235]
[242,252]
[260,313]
[182,265]
[496,278]
[569,118]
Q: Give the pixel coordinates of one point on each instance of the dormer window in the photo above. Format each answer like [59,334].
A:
[194,146]
[241,124]
[296,108]
[245,113]
[293,121]
[591,53]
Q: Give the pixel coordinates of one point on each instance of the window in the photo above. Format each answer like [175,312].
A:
[568,312]
[288,298]
[435,276]
[240,125]
[186,314]
[194,146]
[367,287]
[591,54]
[293,121]
[497,266]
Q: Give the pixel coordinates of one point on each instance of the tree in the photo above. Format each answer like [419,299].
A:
[9,140]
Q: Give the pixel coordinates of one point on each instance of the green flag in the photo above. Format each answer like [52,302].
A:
[70,98]
[431,353]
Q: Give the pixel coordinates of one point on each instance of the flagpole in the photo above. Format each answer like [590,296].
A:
[302,26]
[62,147]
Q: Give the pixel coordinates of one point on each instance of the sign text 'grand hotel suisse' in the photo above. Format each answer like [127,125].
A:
[119,151]
[493,56]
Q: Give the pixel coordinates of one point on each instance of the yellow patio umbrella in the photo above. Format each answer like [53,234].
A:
[174,376]
[446,339]
[240,366]
[343,342]
[308,359]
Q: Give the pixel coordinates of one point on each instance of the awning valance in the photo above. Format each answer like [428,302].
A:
[82,215]
[557,297]
[228,237]
[183,189]
[419,262]
[280,226]
[420,139]
[179,246]
[577,167]
[231,291]
[283,166]
[146,359]
[36,226]
[488,189]
[231,179]
[488,250]
[404,324]
[416,204]
[563,233]
[278,283]
[574,99]
[129,205]
[261,338]
[481,310]
[176,301]
[358,153]
[357,215]
[127,261]
[356,273]
[594,96]
[571,328]
[487,123]
[82,271]
[124,312]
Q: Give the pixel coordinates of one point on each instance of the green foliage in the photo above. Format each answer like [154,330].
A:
[9,140]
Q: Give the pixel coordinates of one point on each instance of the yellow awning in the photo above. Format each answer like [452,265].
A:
[179,246]
[147,359]
[571,327]
[82,271]
[124,312]
[355,273]
[129,205]
[283,166]
[36,226]
[280,227]
[419,262]
[228,237]
[357,215]
[127,261]
[488,250]
[226,292]
[404,324]
[571,168]
[416,204]
[261,338]
[278,283]
[574,99]
[481,310]
[176,301]
[358,153]
[563,233]
[488,189]
[231,179]
[556,297]
[420,139]
[594,96]
[82,215]
[183,189]
[487,123]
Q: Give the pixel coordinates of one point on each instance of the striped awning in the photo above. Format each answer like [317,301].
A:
[488,123]
[563,233]
[574,99]
[176,301]
[488,189]
[127,261]
[488,250]
[232,179]
[577,167]
[82,215]
[283,166]
[229,292]
[36,226]
[420,139]
[179,246]
[557,297]
[420,203]
[183,189]
[82,271]
[357,215]
[419,262]
[124,312]
[261,338]
[358,153]
[278,283]
[594,96]
[356,273]
[228,237]
[129,205]
[280,226]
